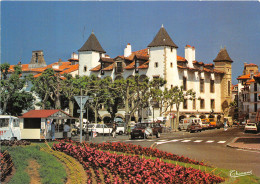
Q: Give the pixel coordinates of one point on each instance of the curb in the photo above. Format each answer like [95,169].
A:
[234,140]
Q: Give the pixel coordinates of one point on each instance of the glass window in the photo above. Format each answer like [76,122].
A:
[156,64]
[194,103]
[185,104]
[184,83]
[202,104]
[229,87]
[16,123]
[4,122]
[212,104]
[202,85]
[212,87]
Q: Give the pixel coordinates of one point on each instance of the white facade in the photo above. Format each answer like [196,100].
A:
[162,62]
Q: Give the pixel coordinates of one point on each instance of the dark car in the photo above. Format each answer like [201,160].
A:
[144,130]
[194,127]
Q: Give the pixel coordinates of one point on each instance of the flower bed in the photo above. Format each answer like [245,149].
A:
[14,143]
[113,168]
[6,165]
[139,150]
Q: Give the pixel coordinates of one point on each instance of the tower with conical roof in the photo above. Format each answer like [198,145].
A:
[163,58]
[224,63]
[89,55]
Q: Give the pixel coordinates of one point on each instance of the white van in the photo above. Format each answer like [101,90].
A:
[9,128]
[186,122]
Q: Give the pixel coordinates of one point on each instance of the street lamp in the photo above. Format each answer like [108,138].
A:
[153,103]
[90,100]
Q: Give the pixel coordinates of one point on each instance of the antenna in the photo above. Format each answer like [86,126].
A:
[83,34]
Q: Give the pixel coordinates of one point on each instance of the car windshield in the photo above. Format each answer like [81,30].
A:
[250,124]
[90,125]
[141,125]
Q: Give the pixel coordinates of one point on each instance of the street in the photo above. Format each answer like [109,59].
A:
[209,146]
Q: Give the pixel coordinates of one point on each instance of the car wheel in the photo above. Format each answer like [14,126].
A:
[120,132]
[158,135]
[191,131]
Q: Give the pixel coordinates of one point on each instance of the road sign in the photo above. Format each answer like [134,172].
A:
[78,111]
[81,100]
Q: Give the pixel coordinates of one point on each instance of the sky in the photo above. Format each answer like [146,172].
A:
[60,28]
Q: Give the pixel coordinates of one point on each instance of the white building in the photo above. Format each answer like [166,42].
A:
[212,84]
[249,92]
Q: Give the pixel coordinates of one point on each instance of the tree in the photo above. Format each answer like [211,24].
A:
[135,93]
[48,86]
[71,88]
[157,94]
[177,96]
[10,84]
[113,98]
[20,101]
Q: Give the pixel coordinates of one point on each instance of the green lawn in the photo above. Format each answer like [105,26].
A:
[51,170]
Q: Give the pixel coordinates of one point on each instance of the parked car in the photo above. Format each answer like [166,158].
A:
[250,127]
[145,130]
[194,127]
[185,123]
[99,129]
[205,124]
[120,129]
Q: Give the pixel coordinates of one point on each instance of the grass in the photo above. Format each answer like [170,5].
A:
[51,171]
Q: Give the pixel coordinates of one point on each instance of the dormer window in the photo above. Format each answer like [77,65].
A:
[136,67]
[119,67]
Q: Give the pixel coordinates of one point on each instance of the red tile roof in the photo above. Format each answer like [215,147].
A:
[182,59]
[198,63]
[109,68]
[130,66]
[72,68]
[109,60]
[243,77]
[250,81]
[96,69]
[144,66]
[250,64]
[257,75]
[39,113]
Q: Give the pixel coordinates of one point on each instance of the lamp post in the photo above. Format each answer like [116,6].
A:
[153,103]
[90,100]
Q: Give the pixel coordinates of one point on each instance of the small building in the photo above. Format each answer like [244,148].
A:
[35,123]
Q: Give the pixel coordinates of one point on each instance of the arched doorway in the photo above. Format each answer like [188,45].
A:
[192,116]
[107,119]
[202,116]
[182,117]
[142,78]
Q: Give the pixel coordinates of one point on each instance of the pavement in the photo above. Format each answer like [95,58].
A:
[243,142]
[248,143]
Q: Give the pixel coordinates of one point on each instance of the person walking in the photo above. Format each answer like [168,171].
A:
[53,130]
[66,129]
[114,130]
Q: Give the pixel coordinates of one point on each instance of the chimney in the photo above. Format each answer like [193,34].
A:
[190,55]
[128,50]
[74,56]
[60,62]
